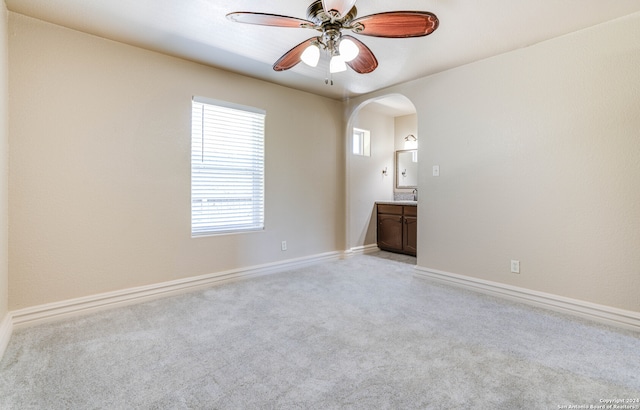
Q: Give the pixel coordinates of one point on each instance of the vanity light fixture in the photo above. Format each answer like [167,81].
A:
[410,142]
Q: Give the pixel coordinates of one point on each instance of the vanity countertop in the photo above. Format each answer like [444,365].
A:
[414,203]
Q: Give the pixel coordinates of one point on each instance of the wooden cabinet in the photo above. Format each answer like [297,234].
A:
[390,227]
[410,229]
[397,228]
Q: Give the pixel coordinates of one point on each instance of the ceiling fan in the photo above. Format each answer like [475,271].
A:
[330,18]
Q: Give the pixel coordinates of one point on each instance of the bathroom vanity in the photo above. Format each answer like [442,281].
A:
[397,226]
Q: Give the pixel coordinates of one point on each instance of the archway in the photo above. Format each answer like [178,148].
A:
[370,178]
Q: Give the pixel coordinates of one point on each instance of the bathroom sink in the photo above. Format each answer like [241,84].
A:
[401,202]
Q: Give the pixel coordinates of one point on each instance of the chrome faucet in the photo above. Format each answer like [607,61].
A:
[415,194]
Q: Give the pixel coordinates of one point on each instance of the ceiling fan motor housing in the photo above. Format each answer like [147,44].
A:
[316,13]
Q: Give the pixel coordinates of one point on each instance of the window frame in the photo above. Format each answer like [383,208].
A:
[360,142]
[231,171]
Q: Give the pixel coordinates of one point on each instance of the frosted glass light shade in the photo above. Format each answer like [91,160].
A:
[348,49]
[341,6]
[410,144]
[337,65]
[311,55]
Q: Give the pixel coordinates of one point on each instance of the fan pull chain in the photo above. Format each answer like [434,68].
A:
[329,78]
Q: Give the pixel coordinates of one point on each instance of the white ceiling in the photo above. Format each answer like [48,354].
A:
[197,30]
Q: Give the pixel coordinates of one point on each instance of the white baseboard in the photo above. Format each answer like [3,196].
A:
[359,250]
[74,307]
[604,314]
[6,329]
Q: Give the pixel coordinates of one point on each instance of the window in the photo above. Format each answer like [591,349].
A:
[361,142]
[227,167]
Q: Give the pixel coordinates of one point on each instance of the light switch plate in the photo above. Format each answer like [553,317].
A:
[436,170]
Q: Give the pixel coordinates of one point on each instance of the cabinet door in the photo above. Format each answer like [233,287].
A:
[390,232]
[410,237]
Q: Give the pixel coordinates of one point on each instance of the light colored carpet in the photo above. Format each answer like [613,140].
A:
[361,333]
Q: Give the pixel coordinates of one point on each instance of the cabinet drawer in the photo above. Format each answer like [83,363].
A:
[390,209]
[410,210]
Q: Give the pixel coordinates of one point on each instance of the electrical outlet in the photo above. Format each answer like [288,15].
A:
[283,246]
[515,266]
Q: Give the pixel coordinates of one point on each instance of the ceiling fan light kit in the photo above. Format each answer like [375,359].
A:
[337,65]
[348,49]
[330,18]
[311,55]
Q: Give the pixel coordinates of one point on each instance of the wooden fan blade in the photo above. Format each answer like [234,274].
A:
[341,6]
[265,19]
[397,24]
[292,57]
[365,62]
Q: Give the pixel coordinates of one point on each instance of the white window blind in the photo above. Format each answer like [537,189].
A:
[227,167]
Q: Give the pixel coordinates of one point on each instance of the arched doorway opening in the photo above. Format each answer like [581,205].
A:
[376,131]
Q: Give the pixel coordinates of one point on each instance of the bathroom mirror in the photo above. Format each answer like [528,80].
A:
[407,169]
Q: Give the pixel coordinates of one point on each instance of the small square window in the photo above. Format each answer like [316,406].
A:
[361,142]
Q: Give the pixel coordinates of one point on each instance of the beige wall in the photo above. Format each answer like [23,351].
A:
[539,154]
[538,148]
[100,173]
[4,129]
[366,182]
